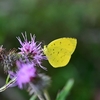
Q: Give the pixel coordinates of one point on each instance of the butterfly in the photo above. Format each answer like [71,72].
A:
[59,51]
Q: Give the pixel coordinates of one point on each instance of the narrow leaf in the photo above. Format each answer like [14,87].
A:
[65,91]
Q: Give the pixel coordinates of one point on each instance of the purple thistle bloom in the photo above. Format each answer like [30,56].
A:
[31,50]
[24,74]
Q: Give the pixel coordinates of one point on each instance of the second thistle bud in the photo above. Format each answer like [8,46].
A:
[8,58]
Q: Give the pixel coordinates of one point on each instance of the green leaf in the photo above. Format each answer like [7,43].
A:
[65,91]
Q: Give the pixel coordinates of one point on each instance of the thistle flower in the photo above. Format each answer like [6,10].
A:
[31,51]
[27,75]
[7,58]
[24,74]
[26,61]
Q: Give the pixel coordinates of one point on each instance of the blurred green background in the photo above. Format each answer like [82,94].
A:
[48,20]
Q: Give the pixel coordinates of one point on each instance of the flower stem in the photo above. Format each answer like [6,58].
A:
[33,97]
[11,82]
[47,97]
[7,79]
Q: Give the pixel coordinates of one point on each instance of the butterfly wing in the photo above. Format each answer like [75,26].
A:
[59,51]
[58,57]
[67,43]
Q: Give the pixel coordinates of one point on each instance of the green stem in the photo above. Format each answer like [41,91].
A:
[46,95]
[40,97]
[11,82]
[7,79]
[33,97]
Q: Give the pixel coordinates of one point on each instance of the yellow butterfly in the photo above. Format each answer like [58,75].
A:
[59,51]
